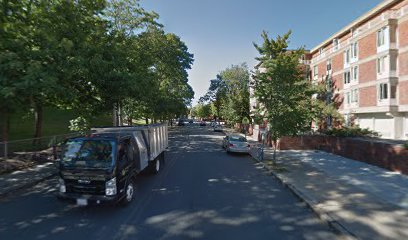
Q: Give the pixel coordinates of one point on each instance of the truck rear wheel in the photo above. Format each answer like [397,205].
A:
[156,166]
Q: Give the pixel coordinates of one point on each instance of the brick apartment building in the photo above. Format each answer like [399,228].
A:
[368,64]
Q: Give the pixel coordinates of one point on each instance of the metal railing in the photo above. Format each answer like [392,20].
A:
[257,151]
[32,148]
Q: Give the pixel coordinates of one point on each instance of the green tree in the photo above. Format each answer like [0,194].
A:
[11,63]
[281,88]
[203,110]
[229,94]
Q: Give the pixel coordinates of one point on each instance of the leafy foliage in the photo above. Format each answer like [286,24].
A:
[229,94]
[281,88]
[89,56]
[351,132]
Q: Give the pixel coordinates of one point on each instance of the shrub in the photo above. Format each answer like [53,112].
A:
[406,145]
[79,124]
[351,132]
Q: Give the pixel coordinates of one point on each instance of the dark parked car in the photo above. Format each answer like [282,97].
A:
[203,124]
[180,123]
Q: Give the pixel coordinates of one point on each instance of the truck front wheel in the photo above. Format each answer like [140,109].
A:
[130,189]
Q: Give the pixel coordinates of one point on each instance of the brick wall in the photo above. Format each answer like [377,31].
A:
[403,33]
[368,96]
[403,64]
[338,62]
[403,90]
[367,72]
[388,156]
[368,46]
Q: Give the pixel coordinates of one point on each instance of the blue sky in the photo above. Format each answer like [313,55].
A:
[220,32]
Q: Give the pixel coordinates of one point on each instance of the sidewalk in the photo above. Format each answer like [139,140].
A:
[21,179]
[358,199]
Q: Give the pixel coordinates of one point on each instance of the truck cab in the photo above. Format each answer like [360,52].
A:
[99,168]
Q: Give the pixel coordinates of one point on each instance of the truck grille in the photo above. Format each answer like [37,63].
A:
[93,187]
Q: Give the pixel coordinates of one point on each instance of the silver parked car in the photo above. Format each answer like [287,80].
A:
[235,143]
[218,128]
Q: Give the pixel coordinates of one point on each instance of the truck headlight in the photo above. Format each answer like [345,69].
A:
[61,185]
[110,187]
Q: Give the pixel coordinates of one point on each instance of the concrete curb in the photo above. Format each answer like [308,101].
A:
[324,216]
[10,191]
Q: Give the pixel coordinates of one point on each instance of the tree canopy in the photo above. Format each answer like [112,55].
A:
[90,56]
[229,94]
[280,86]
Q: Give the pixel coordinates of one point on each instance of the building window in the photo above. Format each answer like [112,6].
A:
[381,64]
[321,51]
[347,56]
[355,73]
[354,96]
[381,37]
[315,71]
[354,50]
[348,99]
[335,44]
[383,91]
[329,65]
[347,76]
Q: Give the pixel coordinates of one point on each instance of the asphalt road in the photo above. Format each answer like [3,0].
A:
[201,193]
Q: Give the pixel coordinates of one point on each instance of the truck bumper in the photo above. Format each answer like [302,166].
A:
[89,199]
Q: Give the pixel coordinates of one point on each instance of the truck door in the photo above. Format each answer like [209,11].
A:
[143,155]
[124,165]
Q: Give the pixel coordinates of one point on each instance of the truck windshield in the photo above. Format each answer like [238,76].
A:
[88,153]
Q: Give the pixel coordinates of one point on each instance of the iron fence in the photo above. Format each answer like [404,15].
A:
[42,148]
[257,151]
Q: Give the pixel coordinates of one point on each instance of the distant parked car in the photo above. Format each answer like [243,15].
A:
[235,143]
[180,123]
[203,123]
[218,128]
[190,121]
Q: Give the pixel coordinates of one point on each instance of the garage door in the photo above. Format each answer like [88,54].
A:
[366,123]
[384,126]
[406,128]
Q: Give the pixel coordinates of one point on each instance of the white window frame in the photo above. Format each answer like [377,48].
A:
[381,64]
[354,96]
[354,50]
[329,63]
[383,91]
[335,44]
[315,71]
[348,98]
[347,56]
[347,77]
[354,74]
[381,37]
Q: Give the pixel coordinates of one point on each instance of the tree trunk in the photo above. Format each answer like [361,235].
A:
[275,143]
[5,126]
[115,115]
[147,120]
[130,121]
[38,115]
[120,115]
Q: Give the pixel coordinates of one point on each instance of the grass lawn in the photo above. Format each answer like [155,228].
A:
[56,122]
